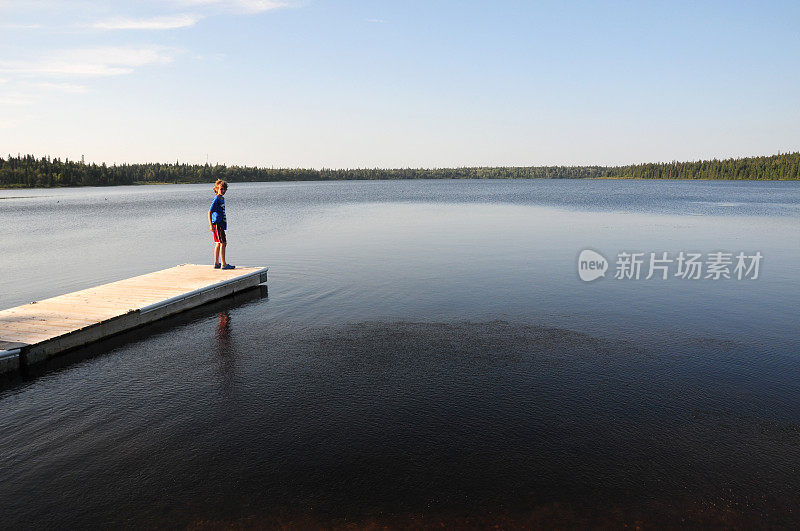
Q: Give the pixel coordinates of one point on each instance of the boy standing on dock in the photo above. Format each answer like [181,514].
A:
[219,224]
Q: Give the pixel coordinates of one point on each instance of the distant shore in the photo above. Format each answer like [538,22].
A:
[29,172]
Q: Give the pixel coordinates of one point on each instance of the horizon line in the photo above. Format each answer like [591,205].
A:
[378,168]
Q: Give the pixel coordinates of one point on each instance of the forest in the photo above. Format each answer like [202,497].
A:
[781,167]
[27,171]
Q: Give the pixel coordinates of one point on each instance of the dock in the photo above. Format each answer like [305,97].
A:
[34,332]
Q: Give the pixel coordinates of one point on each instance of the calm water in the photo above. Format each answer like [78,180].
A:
[426,353]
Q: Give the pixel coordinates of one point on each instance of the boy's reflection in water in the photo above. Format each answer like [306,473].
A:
[223,330]
[226,361]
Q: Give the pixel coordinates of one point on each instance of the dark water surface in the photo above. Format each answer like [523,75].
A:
[425,353]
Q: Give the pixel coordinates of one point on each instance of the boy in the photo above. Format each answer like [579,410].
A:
[218,223]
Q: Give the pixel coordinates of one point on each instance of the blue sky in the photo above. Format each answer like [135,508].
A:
[322,83]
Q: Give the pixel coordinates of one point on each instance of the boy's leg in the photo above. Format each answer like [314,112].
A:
[217,241]
[222,252]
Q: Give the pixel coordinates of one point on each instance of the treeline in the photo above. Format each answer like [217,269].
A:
[31,172]
[775,167]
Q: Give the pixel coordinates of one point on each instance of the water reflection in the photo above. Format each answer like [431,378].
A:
[225,356]
[223,331]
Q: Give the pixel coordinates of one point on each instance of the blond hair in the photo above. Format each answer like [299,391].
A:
[220,184]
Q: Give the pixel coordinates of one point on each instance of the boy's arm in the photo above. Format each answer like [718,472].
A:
[214,208]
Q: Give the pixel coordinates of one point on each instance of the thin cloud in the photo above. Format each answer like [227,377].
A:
[21,26]
[219,56]
[97,61]
[246,6]
[62,87]
[15,100]
[376,20]
[154,23]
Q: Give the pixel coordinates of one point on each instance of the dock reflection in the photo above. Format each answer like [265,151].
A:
[221,307]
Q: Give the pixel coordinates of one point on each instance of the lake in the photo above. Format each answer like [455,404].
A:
[426,352]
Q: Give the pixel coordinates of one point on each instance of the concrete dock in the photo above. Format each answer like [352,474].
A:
[37,331]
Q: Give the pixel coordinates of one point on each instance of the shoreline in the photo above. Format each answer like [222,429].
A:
[47,172]
[141,183]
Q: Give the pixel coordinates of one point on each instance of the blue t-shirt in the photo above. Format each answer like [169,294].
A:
[218,212]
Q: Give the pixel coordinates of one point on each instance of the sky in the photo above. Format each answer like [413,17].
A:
[404,83]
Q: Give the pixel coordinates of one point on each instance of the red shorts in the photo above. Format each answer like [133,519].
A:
[219,234]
